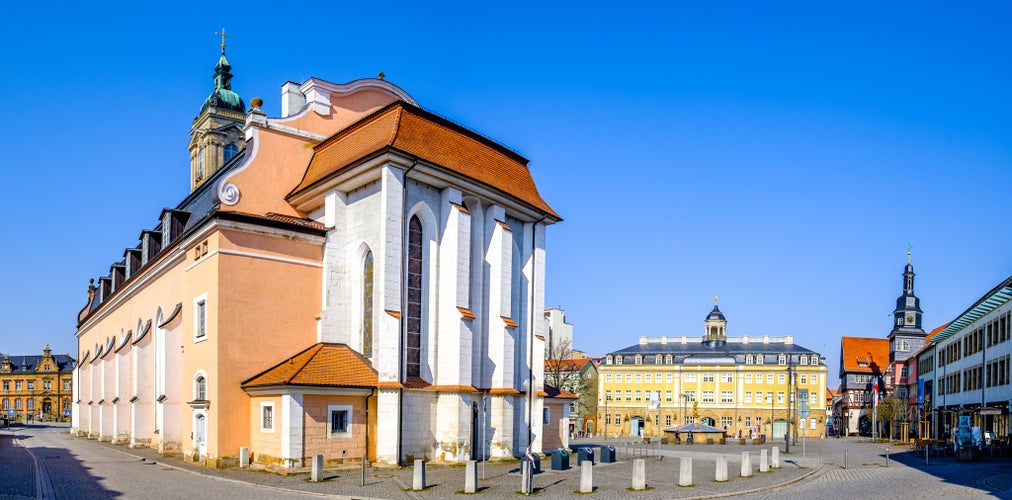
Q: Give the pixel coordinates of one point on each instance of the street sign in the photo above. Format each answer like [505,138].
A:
[66,413]
[11,411]
[804,410]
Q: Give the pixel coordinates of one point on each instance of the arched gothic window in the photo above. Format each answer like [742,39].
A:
[413,349]
[367,294]
[200,388]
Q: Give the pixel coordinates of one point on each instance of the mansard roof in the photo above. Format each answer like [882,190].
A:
[321,365]
[734,346]
[411,130]
[27,364]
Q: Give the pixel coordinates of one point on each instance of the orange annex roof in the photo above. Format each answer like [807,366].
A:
[435,140]
[322,364]
[552,392]
[864,355]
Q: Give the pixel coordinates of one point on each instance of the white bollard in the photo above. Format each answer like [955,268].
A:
[775,458]
[317,474]
[764,461]
[721,474]
[244,456]
[639,479]
[586,477]
[471,477]
[685,472]
[418,482]
[746,464]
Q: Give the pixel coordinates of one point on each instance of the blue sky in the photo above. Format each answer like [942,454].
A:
[779,157]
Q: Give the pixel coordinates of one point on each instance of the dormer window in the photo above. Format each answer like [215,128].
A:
[804,360]
[759,359]
[749,359]
[639,359]
[608,360]
[782,359]
[815,359]
[618,360]
[657,359]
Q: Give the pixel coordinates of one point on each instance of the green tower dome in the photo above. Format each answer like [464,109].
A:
[222,97]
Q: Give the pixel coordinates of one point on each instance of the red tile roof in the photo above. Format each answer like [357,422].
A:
[864,355]
[566,364]
[934,332]
[408,129]
[321,365]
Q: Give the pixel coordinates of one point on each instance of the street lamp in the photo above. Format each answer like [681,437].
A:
[607,416]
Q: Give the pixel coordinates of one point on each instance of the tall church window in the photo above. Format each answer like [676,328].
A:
[367,294]
[413,350]
[200,164]
[230,151]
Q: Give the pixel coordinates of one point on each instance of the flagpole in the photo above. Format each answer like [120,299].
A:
[874,412]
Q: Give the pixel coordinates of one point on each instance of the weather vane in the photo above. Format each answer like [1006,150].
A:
[223,35]
[908,246]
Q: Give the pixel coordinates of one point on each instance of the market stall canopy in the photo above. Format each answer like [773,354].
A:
[695,428]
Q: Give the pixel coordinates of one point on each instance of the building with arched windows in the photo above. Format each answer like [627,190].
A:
[355,278]
[754,385]
[36,388]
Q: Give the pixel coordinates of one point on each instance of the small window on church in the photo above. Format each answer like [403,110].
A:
[200,165]
[230,151]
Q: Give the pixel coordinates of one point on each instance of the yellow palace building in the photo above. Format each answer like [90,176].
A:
[754,385]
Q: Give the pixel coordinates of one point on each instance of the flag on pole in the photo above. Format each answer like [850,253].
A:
[874,393]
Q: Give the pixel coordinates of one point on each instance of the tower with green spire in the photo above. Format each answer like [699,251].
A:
[216,135]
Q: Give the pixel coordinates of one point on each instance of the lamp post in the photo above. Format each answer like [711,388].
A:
[790,398]
[607,416]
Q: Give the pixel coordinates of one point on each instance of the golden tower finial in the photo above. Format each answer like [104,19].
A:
[715,299]
[908,246]
[223,35]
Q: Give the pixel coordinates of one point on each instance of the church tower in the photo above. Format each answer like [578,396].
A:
[716,327]
[216,135]
[907,335]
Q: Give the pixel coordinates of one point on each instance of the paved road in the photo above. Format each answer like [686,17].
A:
[79,468]
[76,469]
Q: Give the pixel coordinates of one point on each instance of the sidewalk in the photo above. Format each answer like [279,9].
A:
[17,468]
[502,480]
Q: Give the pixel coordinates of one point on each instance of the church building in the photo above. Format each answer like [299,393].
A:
[357,277]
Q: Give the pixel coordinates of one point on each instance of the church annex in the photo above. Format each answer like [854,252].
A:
[357,277]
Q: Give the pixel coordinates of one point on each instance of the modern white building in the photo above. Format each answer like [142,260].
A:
[972,361]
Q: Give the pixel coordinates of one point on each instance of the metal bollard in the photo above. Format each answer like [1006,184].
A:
[887,456]
[363,471]
[845,458]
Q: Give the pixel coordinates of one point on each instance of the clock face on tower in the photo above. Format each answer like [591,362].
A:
[910,319]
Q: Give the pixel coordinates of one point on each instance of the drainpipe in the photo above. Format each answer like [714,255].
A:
[404,295]
[372,394]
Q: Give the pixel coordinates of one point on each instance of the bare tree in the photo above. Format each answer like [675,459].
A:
[891,409]
[561,373]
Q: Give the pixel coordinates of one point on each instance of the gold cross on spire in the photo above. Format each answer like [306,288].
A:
[908,246]
[223,35]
